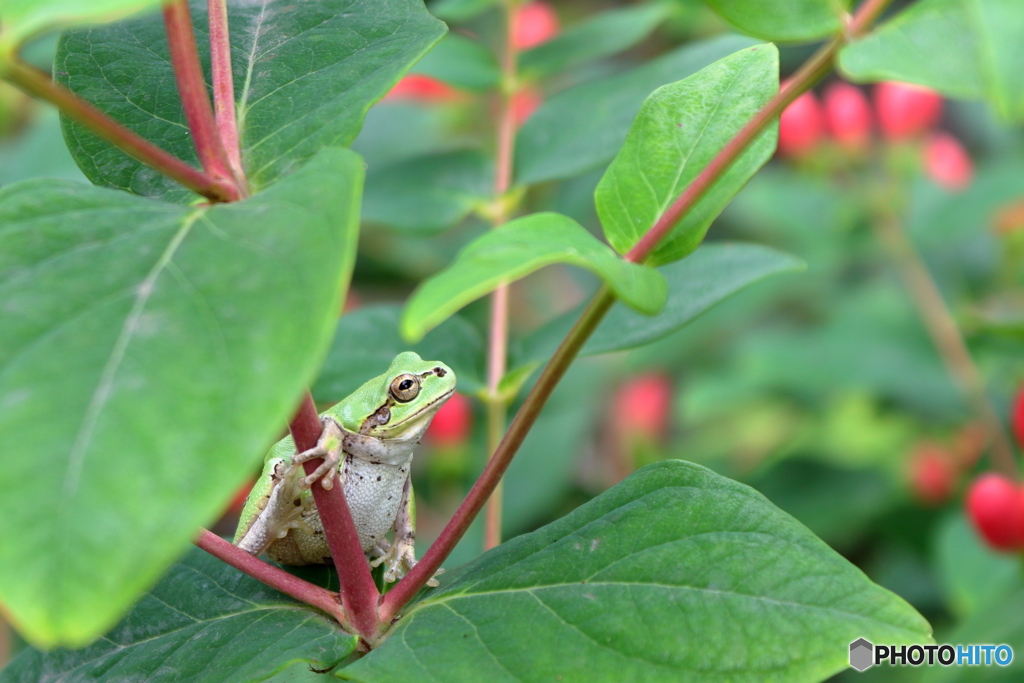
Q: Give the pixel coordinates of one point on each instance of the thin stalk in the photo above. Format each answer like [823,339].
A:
[38,84]
[358,591]
[224,88]
[497,342]
[805,77]
[289,584]
[398,596]
[195,100]
[945,335]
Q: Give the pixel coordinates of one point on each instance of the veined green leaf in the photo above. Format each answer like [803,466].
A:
[679,130]
[205,622]
[514,251]
[675,574]
[305,73]
[150,353]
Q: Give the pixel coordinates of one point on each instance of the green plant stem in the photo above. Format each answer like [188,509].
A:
[945,335]
[38,84]
[812,71]
[359,593]
[274,577]
[396,598]
[497,341]
[195,100]
[224,89]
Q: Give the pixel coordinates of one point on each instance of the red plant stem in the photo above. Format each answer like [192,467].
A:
[38,84]
[497,346]
[195,100]
[274,577]
[802,80]
[224,87]
[358,591]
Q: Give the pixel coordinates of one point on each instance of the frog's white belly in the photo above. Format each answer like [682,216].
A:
[373,491]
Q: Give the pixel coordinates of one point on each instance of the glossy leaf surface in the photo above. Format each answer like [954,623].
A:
[679,130]
[675,574]
[514,251]
[205,622]
[149,355]
[304,74]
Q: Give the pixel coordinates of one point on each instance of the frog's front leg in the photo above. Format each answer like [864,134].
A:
[328,447]
[400,557]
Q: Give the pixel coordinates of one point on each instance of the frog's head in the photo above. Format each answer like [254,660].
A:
[408,396]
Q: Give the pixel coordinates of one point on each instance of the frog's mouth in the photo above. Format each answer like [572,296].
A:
[381,419]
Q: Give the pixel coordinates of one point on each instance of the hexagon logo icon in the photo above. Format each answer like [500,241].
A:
[861,654]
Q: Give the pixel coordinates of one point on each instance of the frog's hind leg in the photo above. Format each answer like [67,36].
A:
[282,512]
[400,557]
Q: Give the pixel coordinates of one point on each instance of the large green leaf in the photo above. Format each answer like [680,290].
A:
[603,34]
[517,249]
[20,20]
[969,49]
[205,622]
[582,128]
[713,273]
[428,194]
[679,130]
[676,574]
[801,20]
[149,355]
[305,73]
[367,340]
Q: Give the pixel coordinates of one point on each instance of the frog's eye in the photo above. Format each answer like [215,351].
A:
[405,388]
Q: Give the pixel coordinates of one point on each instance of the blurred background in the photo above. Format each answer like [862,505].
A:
[835,391]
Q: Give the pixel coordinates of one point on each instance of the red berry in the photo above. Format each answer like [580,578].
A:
[643,403]
[947,163]
[906,110]
[932,474]
[424,89]
[452,423]
[995,505]
[1018,418]
[526,101]
[848,115]
[535,23]
[801,126]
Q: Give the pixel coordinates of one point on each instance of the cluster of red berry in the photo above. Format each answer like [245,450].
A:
[995,504]
[535,23]
[903,112]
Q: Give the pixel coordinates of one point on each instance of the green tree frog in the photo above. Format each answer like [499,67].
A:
[367,444]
